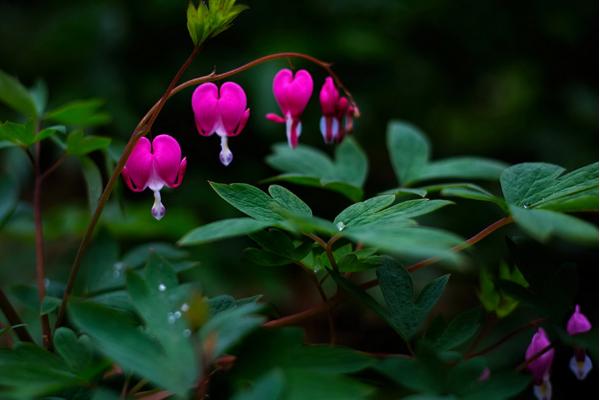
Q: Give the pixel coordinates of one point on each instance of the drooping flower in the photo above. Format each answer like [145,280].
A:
[154,165]
[222,112]
[540,367]
[292,93]
[338,113]
[580,363]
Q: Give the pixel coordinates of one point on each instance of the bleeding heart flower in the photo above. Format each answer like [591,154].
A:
[540,367]
[292,94]
[155,165]
[222,112]
[580,363]
[337,113]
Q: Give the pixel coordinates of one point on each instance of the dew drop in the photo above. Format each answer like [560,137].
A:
[340,226]
[187,333]
[177,314]
[171,318]
[117,269]
[185,307]
[162,287]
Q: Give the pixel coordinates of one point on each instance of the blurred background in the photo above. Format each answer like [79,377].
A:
[512,80]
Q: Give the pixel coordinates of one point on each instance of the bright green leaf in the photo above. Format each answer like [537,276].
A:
[80,113]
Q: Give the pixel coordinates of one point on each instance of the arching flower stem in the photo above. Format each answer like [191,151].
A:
[144,126]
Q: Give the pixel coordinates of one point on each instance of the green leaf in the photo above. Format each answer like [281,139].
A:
[39,95]
[9,197]
[49,305]
[306,384]
[20,134]
[16,96]
[472,192]
[208,20]
[408,241]
[409,151]
[117,337]
[28,371]
[462,328]
[289,201]
[358,210]
[80,144]
[228,327]
[463,168]
[249,200]
[267,386]
[80,113]
[75,351]
[407,313]
[223,229]
[93,181]
[544,224]
[310,167]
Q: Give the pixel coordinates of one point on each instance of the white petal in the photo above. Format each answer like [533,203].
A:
[580,369]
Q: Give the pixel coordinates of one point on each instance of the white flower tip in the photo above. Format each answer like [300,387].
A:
[581,369]
[226,157]
[543,391]
[158,209]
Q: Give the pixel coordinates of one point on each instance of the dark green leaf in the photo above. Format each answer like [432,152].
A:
[289,201]
[49,305]
[462,328]
[9,196]
[407,313]
[544,224]
[80,113]
[80,144]
[223,229]
[409,151]
[75,351]
[16,96]
[268,386]
[93,181]
[463,168]
[249,200]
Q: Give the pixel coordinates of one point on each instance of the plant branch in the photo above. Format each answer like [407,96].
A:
[54,166]
[140,130]
[300,317]
[144,126]
[40,272]
[506,338]
[13,318]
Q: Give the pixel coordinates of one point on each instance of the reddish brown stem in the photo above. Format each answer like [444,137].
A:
[54,166]
[506,338]
[317,310]
[140,130]
[40,272]
[13,318]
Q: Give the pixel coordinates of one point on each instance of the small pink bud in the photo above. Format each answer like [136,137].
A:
[154,165]
[485,375]
[540,367]
[292,93]
[337,120]
[222,112]
[578,323]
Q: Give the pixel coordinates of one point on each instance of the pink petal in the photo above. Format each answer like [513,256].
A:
[205,106]
[232,106]
[329,97]
[167,157]
[299,92]
[280,83]
[275,118]
[139,165]
[242,123]
[180,174]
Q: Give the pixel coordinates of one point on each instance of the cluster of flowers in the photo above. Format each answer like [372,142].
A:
[224,111]
[541,354]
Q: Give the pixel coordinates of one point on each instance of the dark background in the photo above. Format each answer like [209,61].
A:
[512,80]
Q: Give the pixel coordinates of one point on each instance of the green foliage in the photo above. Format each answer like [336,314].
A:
[493,298]
[16,96]
[80,144]
[410,152]
[162,345]
[208,20]
[307,166]
[407,312]
[24,135]
[535,190]
[80,113]
[223,229]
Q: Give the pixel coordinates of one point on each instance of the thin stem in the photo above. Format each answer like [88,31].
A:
[54,166]
[143,128]
[40,272]
[317,240]
[317,310]
[13,318]
[506,338]
[140,130]
[315,281]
